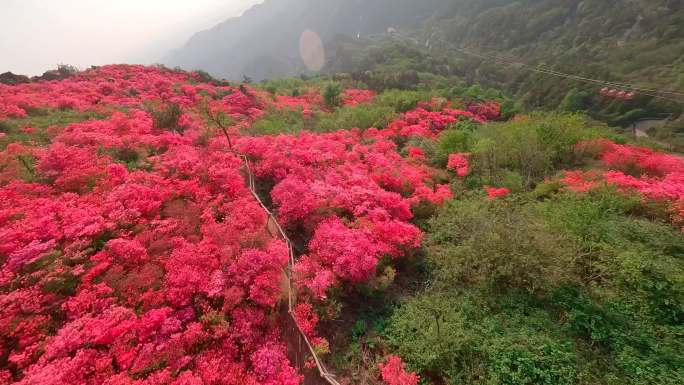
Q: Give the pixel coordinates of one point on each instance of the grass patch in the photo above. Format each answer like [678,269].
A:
[40,122]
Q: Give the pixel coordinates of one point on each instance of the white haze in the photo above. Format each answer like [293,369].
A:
[36,35]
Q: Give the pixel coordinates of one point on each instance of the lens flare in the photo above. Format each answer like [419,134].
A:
[311,50]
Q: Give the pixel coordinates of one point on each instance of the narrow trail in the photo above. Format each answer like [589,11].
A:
[642,127]
[298,344]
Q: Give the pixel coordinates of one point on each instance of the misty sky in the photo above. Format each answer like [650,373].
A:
[36,35]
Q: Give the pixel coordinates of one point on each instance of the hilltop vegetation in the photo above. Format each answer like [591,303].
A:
[626,41]
[440,236]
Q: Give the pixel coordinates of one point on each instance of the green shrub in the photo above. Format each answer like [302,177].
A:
[402,101]
[167,117]
[430,148]
[5,126]
[64,284]
[490,244]
[575,101]
[453,141]
[332,94]
[459,338]
[534,148]
[571,289]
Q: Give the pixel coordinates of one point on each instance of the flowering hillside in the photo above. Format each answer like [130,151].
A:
[133,251]
[658,177]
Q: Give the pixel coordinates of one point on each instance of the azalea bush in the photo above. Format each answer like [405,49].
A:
[351,201]
[657,177]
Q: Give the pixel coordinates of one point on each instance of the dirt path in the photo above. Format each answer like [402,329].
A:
[642,127]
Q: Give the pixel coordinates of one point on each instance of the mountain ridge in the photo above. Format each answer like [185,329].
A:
[267,35]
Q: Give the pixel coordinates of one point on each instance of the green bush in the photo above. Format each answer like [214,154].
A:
[461,338]
[571,289]
[167,117]
[497,245]
[332,94]
[454,141]
[575,101]
[40,122]
[534,147]
[402,101]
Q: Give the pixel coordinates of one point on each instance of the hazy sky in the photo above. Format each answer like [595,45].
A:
[36,35]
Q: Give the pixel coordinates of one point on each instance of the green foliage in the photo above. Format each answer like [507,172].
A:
[631,116]
[64,284]
[462,338]
[575,101]
[430,149]
[28,170]
[276,122]
[402,101]
[454,141]
[362,116]
[40,120]
[477,242]
[332,94]
[571,289]
[534,147]
[287,86]
[167,117]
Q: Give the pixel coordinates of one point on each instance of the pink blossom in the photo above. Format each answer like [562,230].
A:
[494,193]
[460,164]
[394,372]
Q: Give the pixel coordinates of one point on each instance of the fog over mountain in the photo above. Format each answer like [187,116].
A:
[37,35]
[264,42]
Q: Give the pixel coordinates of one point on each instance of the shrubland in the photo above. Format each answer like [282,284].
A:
[439,236]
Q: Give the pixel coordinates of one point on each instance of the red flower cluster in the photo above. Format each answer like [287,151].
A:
[135,255]
[352,192]
[486,110]
[657,176]
[495,193]
[353,97]
[426,123]
[156,273]
[459,163]
[307,103]
[394,372]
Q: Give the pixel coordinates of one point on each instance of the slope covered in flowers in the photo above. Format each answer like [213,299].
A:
[133,252]
[656,176]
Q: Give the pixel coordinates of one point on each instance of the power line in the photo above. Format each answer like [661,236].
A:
[655,93]
[542,70]
[572,76]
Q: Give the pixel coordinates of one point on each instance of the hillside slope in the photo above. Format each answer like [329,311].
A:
[435,238]
[264,42]
[631,40]
[619,40]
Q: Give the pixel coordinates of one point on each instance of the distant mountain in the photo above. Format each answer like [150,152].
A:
[628,40]
[264,41]
[639,41]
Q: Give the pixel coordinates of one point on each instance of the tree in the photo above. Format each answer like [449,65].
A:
[331,94]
